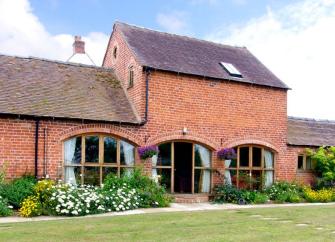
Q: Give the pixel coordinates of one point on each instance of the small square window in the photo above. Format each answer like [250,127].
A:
[300,162]
[308,163]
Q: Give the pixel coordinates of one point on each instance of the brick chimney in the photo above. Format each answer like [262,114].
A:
[78,45]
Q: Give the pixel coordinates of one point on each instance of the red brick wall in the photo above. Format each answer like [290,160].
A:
[301,176]
[217,114]
[121,64]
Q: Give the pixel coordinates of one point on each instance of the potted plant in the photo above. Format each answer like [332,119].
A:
[147,151]
[227,154]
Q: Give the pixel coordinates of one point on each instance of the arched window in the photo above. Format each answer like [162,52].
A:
[89,158]
[252,169]
[131,77]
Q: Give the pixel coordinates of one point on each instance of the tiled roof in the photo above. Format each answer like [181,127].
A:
[187,55]
[38,87]
[310,132]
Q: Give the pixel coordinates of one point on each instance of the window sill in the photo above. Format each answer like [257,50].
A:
[305,171]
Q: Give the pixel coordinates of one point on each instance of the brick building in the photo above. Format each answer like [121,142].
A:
[190,97]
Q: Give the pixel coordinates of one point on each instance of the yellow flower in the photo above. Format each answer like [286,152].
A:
[30,207]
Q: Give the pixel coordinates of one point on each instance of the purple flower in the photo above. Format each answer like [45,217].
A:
[227,154]
[147,151]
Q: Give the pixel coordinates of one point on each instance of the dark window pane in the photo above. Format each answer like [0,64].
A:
[202,180]
[109,150]
[244,156]
[92,176]
[108,170]
[92,149]
[164,155]
[256,180]
[300,162]
[308,163]
[164,177]
[73,175]
[197,158]
[256,156]
[127,154]
[233,177]
[233,163]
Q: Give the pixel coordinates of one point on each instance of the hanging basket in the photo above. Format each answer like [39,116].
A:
[147,151]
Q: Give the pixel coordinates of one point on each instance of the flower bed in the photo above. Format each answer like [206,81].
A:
[116,194]
[279,192]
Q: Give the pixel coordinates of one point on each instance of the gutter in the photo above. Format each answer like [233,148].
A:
[146,114]
[37,124]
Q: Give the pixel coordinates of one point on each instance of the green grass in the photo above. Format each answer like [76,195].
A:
[224,225]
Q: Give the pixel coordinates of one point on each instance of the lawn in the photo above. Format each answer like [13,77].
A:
[310,223]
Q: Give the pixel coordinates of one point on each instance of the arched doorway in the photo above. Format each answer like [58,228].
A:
[183,167]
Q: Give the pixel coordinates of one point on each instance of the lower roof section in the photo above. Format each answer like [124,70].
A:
[45,88]
[310,132]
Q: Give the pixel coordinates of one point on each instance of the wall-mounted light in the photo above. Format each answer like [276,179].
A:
[185,130]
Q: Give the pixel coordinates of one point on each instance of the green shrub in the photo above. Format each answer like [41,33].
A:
[283,191]
[231,194]
[3,169]
[5,209]
[227,194]
[19,189]
[260,198]
[325,164]
[151,194]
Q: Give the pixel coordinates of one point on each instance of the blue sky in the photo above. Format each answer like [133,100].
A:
[199,16]
[294,39]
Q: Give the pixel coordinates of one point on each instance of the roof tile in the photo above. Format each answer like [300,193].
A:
[187,55]
[310,132]
[38,87]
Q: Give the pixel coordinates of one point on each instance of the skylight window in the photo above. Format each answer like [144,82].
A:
[231,69]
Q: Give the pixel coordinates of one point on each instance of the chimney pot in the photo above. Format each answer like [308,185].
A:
[78,45]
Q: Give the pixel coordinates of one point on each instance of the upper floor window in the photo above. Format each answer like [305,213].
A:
[253,168]
[131,77]
[89,158]
[305,162]
[115,52]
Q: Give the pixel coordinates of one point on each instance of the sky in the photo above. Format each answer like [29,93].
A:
[294,39]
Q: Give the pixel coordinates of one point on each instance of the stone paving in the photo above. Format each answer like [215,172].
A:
[175,207]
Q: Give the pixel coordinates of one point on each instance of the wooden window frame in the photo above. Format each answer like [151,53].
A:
[251,168]
[304,163]
[130,77]
[100,164]
[171,167]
